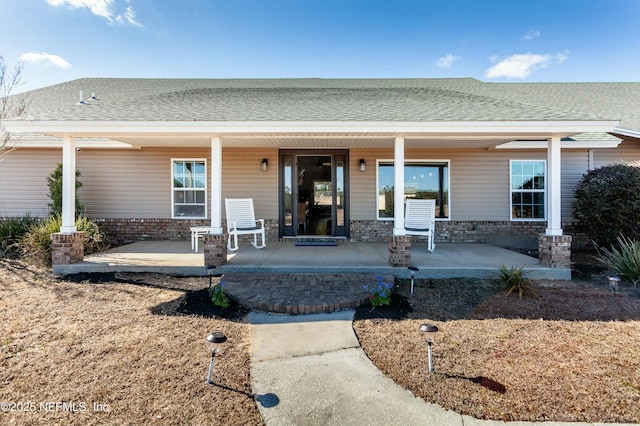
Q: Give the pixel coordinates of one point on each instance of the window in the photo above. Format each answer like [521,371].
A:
[528,189]
[189,190]
[422,179]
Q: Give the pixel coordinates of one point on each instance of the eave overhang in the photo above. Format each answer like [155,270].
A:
[114,128]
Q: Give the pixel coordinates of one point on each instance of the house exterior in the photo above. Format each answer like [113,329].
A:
[158,156]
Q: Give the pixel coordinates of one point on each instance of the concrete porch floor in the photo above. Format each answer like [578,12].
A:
[176,258]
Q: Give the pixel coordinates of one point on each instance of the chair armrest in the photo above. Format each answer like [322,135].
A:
[231,225]
[261,222]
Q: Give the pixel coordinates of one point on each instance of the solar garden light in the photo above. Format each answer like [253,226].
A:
[210,271]
[429,331]
[413,270]
[613,283]
[217,338]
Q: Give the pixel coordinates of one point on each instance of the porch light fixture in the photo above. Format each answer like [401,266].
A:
[413,270]
[363,165]
[217,338]
[264,164]
[429,331]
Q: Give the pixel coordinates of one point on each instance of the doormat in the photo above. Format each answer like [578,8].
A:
[326,243]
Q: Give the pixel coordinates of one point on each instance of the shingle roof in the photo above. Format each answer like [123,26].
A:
[411,100]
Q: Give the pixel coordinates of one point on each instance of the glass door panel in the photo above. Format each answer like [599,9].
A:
[313,193]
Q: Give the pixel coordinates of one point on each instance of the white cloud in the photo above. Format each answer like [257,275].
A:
[103,8]
[522,65]
[531,35]
[129,16]
[447,61]
[46,59]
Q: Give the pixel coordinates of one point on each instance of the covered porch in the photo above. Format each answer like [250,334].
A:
[449,260]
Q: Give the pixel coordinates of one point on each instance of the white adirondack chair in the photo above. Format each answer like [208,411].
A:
[420,219]
[241,220]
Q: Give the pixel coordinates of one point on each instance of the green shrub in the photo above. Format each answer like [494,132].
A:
[36,243]
[515,281]
[218,296]
[624,259]
[12,230]
[607,203]
[54,182]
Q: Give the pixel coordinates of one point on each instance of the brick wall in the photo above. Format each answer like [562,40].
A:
[515,235]
[67,249]
[122,231]
[519,235]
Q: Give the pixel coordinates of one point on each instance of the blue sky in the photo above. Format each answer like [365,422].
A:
[501,40]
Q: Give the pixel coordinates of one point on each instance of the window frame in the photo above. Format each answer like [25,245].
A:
[530,191]
[194,189]
[412,161]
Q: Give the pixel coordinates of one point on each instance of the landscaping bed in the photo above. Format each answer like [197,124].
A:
[132,344]
[571,355]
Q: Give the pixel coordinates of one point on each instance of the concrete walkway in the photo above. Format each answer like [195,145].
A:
[310,370]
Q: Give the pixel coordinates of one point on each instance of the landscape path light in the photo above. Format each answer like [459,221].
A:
[429,331]
[217,338]
[210,272]
[413,270]
[613,283]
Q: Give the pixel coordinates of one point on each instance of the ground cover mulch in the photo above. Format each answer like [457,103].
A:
[571,355]
[118,349]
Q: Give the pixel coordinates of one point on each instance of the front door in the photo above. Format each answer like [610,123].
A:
[313,195]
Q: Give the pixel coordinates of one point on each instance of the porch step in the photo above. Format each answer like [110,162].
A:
[299,293]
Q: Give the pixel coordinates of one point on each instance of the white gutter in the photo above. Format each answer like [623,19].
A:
[115,128]
[626,132]
[564,144]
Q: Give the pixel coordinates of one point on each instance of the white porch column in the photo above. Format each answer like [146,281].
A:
[398,185]
[554,222]
[216,185]
[68,185]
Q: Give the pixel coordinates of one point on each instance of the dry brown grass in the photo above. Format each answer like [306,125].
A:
[572,355]
[62,341]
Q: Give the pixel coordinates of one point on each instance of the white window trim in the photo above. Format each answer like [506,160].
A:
[205,189]
[411,160]
[546,204]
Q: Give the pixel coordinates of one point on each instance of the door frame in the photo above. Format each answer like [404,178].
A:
[291,156]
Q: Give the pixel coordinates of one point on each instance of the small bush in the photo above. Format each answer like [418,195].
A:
[218,296]
[380,294]
[36,243]
[607,203]
[54,182]
[515,281]
[12,230]
[624,259]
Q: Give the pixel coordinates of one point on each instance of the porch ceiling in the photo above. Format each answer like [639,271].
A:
[312,141]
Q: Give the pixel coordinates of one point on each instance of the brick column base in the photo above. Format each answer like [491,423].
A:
[554,251]
[215,249]
[400,250]
[67,248]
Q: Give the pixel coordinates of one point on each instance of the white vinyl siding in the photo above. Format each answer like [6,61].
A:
[123,183]
[23,181]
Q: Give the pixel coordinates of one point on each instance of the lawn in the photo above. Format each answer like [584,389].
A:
[123,351]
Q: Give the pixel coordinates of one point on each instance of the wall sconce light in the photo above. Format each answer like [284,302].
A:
[264,164]
[363,165]
[217,338]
